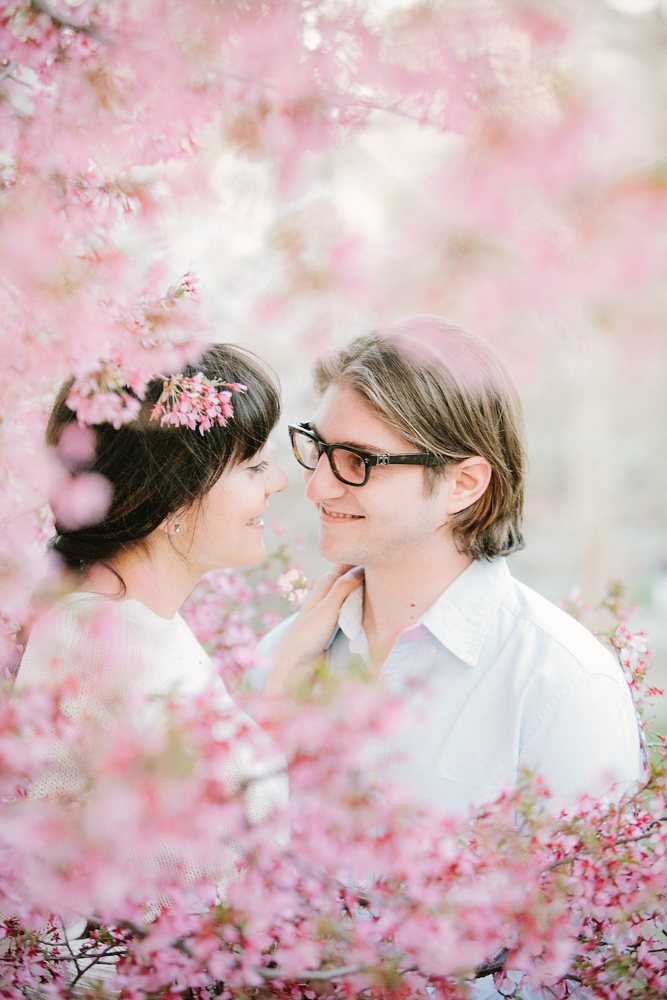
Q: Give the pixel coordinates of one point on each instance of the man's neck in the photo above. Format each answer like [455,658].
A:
[397,594]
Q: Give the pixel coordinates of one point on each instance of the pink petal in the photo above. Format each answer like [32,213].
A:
[80,500]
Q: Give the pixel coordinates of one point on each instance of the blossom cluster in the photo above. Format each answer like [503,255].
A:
[156,881]
[112,392]
[195,402]
[107,112]
[229,610]
[102,397]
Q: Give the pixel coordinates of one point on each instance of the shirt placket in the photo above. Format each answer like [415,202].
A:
[398,669]
[402,663]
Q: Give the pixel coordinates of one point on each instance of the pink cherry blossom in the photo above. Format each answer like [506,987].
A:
[108,117]
[79,500]
[195,402]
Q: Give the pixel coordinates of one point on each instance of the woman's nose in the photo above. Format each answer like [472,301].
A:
[278,480]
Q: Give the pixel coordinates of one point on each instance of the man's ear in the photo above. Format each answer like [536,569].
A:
[467,482]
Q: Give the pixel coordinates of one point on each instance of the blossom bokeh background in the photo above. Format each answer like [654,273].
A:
[286,174]
[539,225]
[322,167]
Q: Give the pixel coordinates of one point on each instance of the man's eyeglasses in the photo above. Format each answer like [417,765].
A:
[350,465]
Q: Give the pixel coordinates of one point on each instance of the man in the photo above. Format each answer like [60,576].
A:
[414,459]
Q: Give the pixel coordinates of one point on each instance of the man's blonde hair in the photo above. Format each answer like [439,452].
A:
[445,391]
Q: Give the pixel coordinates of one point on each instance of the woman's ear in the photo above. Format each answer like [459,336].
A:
[467,482]
[171,525]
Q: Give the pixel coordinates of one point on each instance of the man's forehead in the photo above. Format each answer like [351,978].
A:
[340,439]
[344,417]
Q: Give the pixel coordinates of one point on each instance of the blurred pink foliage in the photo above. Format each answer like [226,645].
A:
[79,500]
[104,110]
[229,638]
[229,610]
[370,893]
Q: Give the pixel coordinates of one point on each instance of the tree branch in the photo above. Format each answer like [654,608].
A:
[137,929]
[569,858]
[496,964]
[321,974]
[73,957]
[42,7]
[94,960]
[8,70]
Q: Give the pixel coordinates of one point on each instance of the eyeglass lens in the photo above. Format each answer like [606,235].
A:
[346,464]
[306,449]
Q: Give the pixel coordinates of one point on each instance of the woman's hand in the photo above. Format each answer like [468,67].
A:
[312,630]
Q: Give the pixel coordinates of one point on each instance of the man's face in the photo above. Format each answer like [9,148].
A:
[376,524]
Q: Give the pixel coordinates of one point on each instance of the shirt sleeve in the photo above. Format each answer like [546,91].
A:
[255,678]
[588,743]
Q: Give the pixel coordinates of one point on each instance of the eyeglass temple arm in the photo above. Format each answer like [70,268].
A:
[414,459]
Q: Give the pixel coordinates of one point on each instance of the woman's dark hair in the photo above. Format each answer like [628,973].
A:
[155,471]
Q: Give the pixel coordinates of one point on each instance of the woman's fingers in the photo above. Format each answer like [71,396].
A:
[315,625]
[311,631]
[343,586]
[325,584]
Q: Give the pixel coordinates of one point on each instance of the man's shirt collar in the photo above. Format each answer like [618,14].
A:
[350,616]
[459,619]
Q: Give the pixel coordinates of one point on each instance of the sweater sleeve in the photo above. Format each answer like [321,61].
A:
[119,661]
[266,650]
[78,648]
[79,643]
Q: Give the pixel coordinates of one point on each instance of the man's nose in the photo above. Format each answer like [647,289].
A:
[322,484]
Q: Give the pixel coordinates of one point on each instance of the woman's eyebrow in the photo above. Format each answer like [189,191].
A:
[352,444]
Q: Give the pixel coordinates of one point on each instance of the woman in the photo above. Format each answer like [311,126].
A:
[190,479]
[182,503]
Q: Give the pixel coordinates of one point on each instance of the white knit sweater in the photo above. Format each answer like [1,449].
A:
[113,649]
[109,651]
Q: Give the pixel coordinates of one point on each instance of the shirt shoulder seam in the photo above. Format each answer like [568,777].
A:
[554,705]
[577,659]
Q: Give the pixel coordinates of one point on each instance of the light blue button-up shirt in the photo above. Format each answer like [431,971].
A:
[496,678]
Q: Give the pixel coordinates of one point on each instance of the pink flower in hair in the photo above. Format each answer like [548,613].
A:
[195,402]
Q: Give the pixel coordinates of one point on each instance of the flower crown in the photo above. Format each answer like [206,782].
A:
[195,402]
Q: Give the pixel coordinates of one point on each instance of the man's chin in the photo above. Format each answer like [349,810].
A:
[332,550]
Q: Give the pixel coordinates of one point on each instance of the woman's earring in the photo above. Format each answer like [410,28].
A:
[177,528]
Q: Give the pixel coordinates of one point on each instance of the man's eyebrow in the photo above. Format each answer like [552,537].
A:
[352,444]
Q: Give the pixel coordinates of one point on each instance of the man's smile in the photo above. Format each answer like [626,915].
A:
[326,513]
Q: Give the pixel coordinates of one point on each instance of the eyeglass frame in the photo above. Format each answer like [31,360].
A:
[370,460]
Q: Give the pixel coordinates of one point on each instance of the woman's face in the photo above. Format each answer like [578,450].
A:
[226,529]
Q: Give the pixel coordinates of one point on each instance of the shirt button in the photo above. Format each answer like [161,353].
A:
[433,650]
[372,777]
